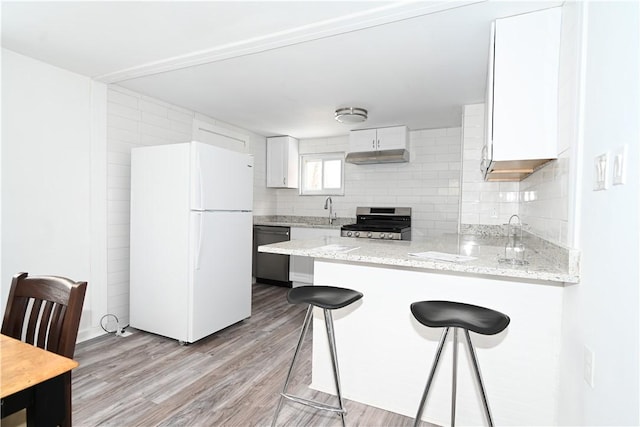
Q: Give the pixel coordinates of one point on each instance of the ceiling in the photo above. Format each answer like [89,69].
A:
[275,68]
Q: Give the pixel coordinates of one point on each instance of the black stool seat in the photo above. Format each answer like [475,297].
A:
[443,314]
[327,297]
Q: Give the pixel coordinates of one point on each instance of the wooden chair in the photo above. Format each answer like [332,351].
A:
[45,311]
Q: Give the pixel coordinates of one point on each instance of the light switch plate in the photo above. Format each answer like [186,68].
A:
[619,165]
[600,168]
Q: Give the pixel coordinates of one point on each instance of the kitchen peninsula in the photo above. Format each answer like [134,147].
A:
[385,355]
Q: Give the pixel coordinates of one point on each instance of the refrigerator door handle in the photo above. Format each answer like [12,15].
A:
[199,241]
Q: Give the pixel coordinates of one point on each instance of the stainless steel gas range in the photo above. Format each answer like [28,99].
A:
[380,223]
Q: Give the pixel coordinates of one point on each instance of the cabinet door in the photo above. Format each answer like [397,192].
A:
[392,138]
[275,162]
[526,86]
[362,140]
[291,163]
[487,148]
[282,162]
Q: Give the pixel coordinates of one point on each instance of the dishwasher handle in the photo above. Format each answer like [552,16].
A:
[272,232]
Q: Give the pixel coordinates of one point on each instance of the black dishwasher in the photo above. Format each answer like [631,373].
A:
[272,269]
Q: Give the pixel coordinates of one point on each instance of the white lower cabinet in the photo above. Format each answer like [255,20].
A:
[300,267]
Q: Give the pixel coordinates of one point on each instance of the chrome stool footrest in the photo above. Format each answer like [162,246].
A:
[313,403]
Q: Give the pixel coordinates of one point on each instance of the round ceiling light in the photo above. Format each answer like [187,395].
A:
[351,115]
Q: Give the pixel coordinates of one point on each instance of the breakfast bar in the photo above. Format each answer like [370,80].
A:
[385,354]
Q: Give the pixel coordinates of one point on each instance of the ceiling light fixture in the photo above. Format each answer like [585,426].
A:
[351,115]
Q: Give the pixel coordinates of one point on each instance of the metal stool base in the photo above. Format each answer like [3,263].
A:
[476,369]
[340,410]
[313,403]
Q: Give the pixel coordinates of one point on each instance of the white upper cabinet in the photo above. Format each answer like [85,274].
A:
[389,138]
[522,95]
[282,162]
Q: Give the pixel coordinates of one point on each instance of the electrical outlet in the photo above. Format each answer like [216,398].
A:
[619,165]
[589,366]
[600,165]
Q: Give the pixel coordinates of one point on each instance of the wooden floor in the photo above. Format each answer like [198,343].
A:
[232,378]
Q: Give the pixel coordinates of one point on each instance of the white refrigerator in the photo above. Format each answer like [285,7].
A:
[191,239]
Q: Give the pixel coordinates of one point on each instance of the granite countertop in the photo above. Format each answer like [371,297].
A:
[301,221]
[546,262]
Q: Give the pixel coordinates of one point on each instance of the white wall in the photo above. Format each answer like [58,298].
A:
[429,183]
[602,312]
[47,181]
[136,120]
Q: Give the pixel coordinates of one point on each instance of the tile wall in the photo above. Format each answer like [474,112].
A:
[544,201]
[541,200]
[429,183]
[482,202]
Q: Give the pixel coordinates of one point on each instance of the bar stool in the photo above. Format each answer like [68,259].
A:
[327,298]
[456,315]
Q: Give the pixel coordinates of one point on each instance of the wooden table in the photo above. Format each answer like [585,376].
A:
[34,379]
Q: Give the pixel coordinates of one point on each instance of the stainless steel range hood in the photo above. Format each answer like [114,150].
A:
[371,157]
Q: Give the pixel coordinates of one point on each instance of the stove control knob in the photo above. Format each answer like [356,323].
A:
[389,236]
[357,234]
[369,235]
[382,235]
[349,233]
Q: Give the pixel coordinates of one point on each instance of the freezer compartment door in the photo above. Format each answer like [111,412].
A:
[221,266]
[221,179]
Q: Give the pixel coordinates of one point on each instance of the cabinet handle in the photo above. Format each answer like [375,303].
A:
[373,143]
[484,161]
[284,181]
[378,144]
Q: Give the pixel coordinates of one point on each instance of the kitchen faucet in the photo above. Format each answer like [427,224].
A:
[328,204]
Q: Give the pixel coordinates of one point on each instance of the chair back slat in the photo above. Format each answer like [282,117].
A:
[56,328]
[45,311]
[43,324]
[19,308]
[32,321]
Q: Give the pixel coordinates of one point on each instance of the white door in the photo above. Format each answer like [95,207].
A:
[221,258]
[221,179]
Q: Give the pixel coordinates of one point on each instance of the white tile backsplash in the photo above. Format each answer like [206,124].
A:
[429,183]
[541,200]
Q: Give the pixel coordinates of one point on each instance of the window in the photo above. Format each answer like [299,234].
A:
[322,174]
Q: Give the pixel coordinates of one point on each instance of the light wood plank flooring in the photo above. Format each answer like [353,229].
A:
[232,378]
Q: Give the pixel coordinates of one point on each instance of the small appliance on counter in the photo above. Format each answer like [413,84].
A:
[380,223]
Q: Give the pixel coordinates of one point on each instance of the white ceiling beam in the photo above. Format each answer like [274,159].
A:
[331,27]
